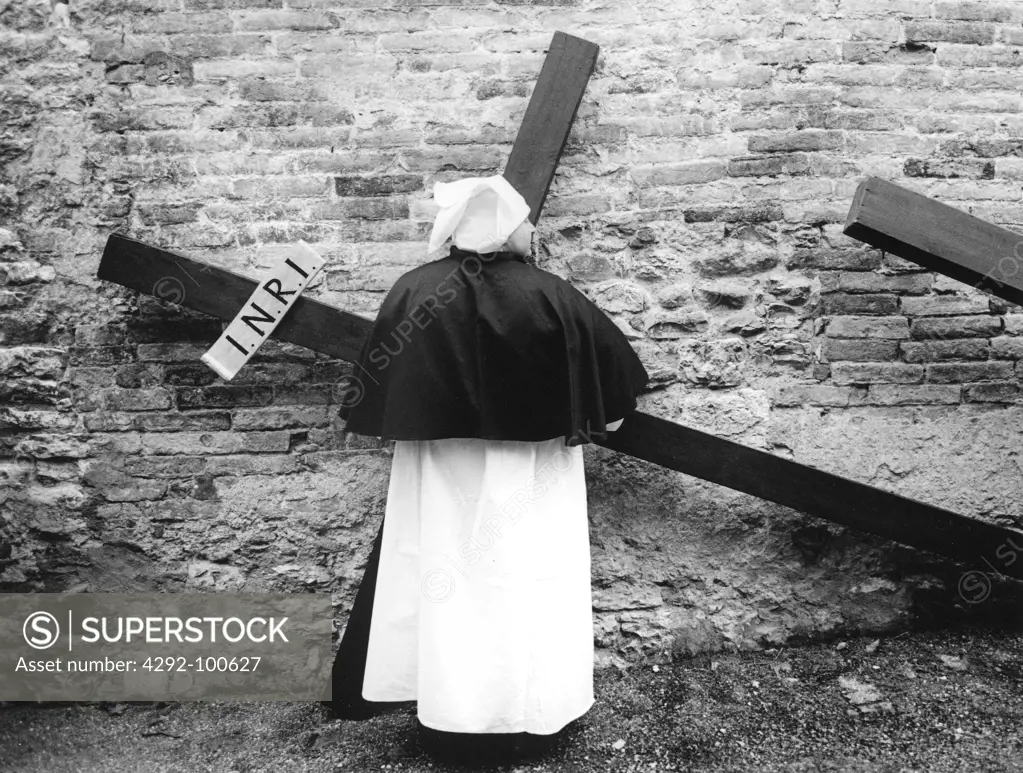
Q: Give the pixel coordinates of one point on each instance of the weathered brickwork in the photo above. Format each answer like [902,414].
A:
[700,202]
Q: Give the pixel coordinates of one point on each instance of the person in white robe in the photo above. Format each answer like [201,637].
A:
[482,612]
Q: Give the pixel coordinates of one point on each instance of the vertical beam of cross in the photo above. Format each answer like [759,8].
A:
[548,119]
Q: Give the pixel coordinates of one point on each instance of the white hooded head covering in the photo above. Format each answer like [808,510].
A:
[479,213]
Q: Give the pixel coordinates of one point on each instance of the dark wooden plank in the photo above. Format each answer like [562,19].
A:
[221,293]
[549,116]
[326,329]
[938,236]
[814,492]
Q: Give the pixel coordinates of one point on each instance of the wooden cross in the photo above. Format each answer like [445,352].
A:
[939,237]
[531,166]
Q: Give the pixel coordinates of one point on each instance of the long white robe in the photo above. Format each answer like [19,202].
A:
[482,612]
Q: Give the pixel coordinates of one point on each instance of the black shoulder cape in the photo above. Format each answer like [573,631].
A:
[486,346]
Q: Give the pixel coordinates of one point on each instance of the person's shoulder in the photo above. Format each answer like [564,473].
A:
[549,280]
[426,272]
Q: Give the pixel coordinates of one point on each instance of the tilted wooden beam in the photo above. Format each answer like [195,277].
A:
[814,492]
[549,116]
[204,287]
[324,328]
[938,236]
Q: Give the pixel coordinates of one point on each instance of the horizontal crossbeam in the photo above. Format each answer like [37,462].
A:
[320,327]
[938,236]
[221,293]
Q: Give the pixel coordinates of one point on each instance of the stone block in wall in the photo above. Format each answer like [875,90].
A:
[745,323]
[978,11]
[926,394]
[193,421]
[864,282]
[781,354]
[868,327]
[378,185]
[835,258]
[618,297]
[960,372]
[90,377]
[967,56]
[808,140]
[875,52]
[32,391]
[882,304]
[210,5]
[678,324]
[100,335]
[676,295]
[121,47]
[1007,348]
[118,399]
[160,68]
[997,392]
[769,166]
[171,352]
[797,395]
[757,213]
[168,214]
[223,396]
[681,173]
[738,260]
[860,350]
[244,419]
[956,327]
[975,33]
[188,443]
[164,466]
[713,364]
[893,264]
[42,362]
[862,373]
[21,272]
[126,488]
[723,293]
[931,351]
[247,464]
[950,168]
[193,374]
[138,375]
[271,20]
[46,446]
[943,306]
[26,419]
[97,356]
[795,290]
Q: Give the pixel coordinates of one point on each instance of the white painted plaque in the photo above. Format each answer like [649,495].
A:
[263,311]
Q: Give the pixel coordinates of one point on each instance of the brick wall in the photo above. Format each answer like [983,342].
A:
[700,202]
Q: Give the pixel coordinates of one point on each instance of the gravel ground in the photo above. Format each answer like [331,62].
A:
[933,702]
